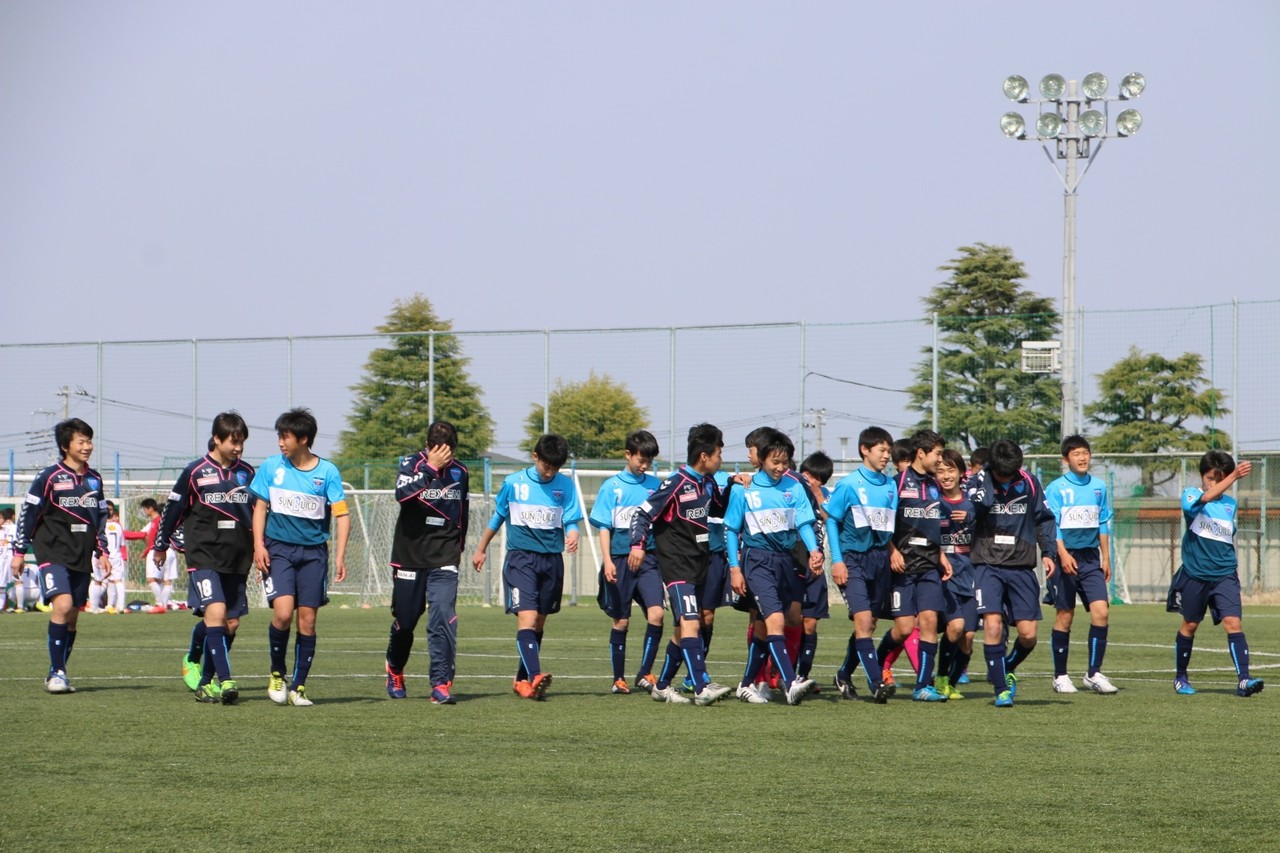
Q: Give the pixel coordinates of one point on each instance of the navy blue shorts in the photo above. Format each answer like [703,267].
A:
[1088,583]
[300,571]
[815,604]
[772,580]
[960,606]
[915,593]
[643,586]
[56,579]
[533,581]
[684,600]
[1013,593]
[869,583]
[206,586]
[714,591]
[1221,597]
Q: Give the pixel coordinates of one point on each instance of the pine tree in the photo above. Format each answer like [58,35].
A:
[595,416]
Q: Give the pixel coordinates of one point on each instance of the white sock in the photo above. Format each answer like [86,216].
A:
[167,594]
[156,590]
[96,589]
[119,588]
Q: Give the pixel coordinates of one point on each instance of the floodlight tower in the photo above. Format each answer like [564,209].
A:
[1077,126]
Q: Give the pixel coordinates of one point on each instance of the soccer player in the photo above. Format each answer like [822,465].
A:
[114,580]
[768,515]
[1083,516]
[918,567]
[955,647]
[675,518]
[619,584]
[8,587]
[901,454]
[63,520]
[541,509]
[1209,577]
[212,504]
[860,515]
[815,473]
[298,494]
[1012,517]
[159,578]
[433,490]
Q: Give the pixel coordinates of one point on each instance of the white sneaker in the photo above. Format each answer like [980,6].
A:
[711,693]
[1062,684]
[669,695]
[277,691]
[57,683]
[749,695]
[1099,683]
[808,683]
[799,687]
[298,698]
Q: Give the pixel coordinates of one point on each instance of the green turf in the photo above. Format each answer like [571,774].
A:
[132,762]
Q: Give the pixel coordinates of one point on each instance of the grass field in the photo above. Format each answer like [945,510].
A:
[131,762]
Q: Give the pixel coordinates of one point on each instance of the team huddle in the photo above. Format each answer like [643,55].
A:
[914,536]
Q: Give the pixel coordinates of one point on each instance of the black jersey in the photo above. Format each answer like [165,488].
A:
[677,512]
[215,509]
[917,528]
[1010,519]
[431,530]
[63,518]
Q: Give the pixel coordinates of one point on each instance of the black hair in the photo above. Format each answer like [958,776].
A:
[1074,442]
[703,438]
[1006,459]
[900,451]
[442,432]
[952,459]
[7,513]
[642,443]
[925,441]
[819,466]
[229,424]
[66,430]
[753,437]
[299,423]
[873,435]
[111,508]
[552,449]
[979,457]
[1217,460]
[774,441]
[149,503]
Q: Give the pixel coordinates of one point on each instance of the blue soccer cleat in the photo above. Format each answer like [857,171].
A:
[928,693]
[1005,699]
[1249,686]
[395,683]
[1011,680]
[1183,687]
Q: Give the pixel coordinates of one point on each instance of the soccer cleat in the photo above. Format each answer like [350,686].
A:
[669,695]
[276,690]
[1011,679]
[229,693]
[440,695]
[539,684]
[807,684]
[711,692]
[795,693]
[1005,699]
[620,687]
[946,688]
[206,694]
[762,689]
[57,683]
[1062,684]
[1098,683]
[1183,687]
[686,686]
[647,682]
[191,672]
[928,693]
[523,689]
[964,678]
[887,675]
[395,683]
[844,687]
[1249,686]
[297,697]
[747,693]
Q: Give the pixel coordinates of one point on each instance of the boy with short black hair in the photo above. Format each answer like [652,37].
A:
[955,646]
[1083,517]
[815,472]
[433,491]
[298,494]
[1209,578]
[63,520]
[541,509]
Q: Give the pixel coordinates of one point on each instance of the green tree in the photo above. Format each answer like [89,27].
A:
[984,315]
[1144,404]
[389,411]
[595,416]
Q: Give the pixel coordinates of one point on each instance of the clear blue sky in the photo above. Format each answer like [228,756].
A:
[304,164]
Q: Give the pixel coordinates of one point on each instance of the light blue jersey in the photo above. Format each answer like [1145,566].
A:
[769,515]
[1209,545]
[1081,510]
[617,501]
[537,513]
[301,502]
[715,524]
[860,513]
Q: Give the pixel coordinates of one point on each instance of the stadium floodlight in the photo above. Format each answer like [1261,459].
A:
[1013,126]
[1049,125]
[1094,86]
[1093,123]
[1016,88]
[1128,122]
[1132,85]
[1052,86]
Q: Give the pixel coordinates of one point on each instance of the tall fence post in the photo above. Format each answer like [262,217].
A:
[546,381]
[935,373]
[803,376]
[431,377]
[195,397]
[672,451]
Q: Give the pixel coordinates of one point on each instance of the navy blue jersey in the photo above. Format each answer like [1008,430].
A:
[1012,518]
[769,514]
[63,518]
[957,538]
[917,526]
[677,513]
[214,506]
[431,530]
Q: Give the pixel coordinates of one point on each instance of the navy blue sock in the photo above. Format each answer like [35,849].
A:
[215,650]
[278,644]
[928,658]
[231,639]
[1097,647]
[618,652]
[888,644]
[1239,648]
[1059,643]
[946,654]
[850,662]
[399,644]
[695,660]
[57,647]
[707,631]
[781,660]
[866,648]
[960,664]
[995,666]
[1181,653]
[808,647]
[649,653]
[670,664]
[528,648]
[303,653]
[757,654]
[195,653]
[1017,655]
[71,644]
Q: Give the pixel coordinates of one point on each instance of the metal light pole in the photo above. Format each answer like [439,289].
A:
[1073,132]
